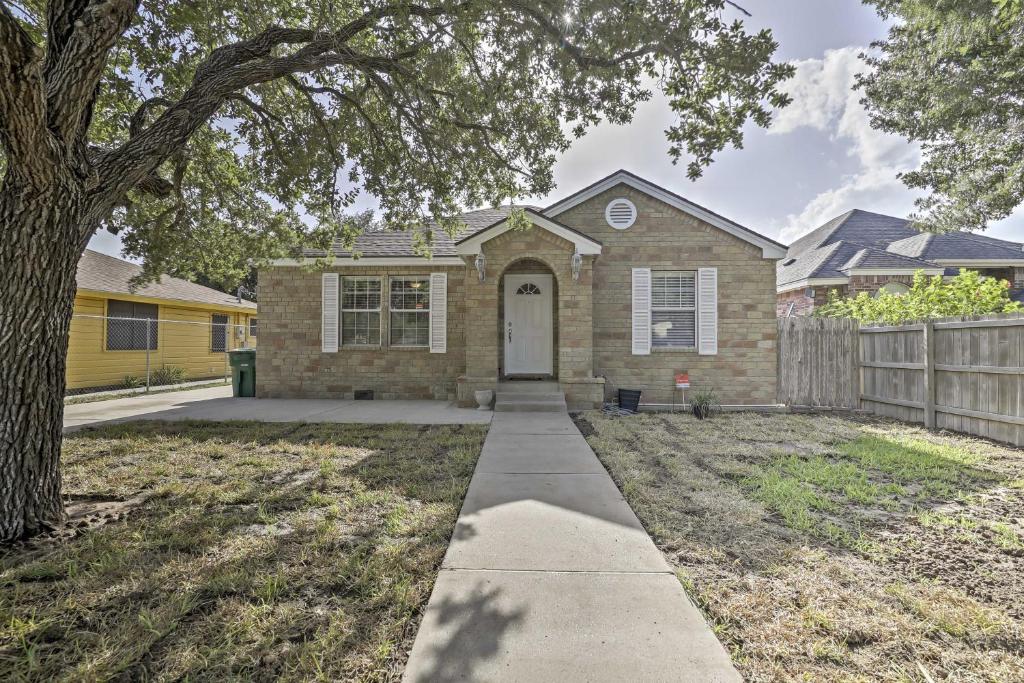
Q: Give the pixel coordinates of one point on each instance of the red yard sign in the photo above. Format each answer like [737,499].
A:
[682,380]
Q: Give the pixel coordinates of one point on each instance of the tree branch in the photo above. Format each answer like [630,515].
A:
[582,59]
[73,74]
[22,109]
[138,119]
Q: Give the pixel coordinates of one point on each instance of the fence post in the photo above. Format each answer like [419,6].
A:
[149,345]
[856,371]
[928,352]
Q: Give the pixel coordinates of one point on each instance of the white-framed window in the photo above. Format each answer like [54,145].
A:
[254,326]
[893,288]
[360,311]
[674,309]
[410,310]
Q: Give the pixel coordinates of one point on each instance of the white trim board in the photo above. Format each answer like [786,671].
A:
[349,262]
[769,248]
[895,271]
[968,262]
[584,245]
[812,282]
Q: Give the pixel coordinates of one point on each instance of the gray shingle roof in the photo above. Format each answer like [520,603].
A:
[390,243]
[957,245]
[869,257]
[857,227]
[872,240]
[101,273]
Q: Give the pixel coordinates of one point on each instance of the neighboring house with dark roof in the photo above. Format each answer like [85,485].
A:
[191,326]
[861,251]
[622,284]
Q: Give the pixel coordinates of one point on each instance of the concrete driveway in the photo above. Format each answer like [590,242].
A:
[217,404]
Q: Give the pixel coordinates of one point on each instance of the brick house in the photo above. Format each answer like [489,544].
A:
[861,251]
[622,284]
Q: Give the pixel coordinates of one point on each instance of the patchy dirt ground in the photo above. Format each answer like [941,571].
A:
[830,549]
[236,551]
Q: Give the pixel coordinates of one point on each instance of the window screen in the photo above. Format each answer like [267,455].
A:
[253,326]
[674,309]
[360,311]
[218,333]
[410,311]
[126,325]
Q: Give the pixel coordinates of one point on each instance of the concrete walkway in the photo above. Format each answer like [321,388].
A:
[217,404]
[550,576]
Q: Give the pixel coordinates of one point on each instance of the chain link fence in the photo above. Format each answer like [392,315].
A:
[139,353]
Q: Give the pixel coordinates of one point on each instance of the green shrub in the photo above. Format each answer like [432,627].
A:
[966,294]
[704,402]
[133,382]
[168,374]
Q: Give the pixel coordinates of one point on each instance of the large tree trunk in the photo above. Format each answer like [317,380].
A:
[41,240]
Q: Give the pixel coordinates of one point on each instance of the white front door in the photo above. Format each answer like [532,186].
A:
[528,338]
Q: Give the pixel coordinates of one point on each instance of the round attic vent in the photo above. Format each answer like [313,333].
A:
[620,213]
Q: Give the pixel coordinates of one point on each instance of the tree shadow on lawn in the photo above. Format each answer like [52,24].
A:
[802,537]
[264,552]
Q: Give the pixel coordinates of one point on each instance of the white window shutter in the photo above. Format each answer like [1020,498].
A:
[438,312]
[641,311]
[707,311]
[329,313]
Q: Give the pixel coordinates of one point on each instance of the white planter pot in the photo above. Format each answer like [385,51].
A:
[484,398]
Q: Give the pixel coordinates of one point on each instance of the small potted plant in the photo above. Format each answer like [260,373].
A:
[703,402]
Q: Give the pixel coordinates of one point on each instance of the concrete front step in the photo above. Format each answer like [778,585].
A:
[529,406]
[528,386]
[529,397]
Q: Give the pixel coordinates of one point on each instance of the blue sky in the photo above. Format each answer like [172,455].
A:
[819,159]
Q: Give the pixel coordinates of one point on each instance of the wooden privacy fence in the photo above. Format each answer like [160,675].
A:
[818,363]
[962,374]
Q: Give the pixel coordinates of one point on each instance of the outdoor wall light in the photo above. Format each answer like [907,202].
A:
[576,264]
[481,266]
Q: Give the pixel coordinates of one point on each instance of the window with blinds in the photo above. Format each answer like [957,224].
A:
[674,309]
[360,311]
[410,311]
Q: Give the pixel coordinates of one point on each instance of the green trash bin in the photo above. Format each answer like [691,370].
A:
[243,372]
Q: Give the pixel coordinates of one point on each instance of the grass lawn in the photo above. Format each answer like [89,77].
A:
[236,551]
[831,549]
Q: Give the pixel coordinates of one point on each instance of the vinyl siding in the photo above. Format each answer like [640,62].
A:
[181,343]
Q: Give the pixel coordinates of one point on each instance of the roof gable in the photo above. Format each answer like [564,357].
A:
[584,245]
[769,247]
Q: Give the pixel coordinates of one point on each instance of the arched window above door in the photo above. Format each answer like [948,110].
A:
[528,288]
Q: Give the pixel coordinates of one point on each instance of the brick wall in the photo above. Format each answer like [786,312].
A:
[744,371]
[536,249]
[593,318]
[872,283]
[290,363]
[803,304]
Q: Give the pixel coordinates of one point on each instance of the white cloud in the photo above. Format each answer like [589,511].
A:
[820,90]
[824,99]
[877,189]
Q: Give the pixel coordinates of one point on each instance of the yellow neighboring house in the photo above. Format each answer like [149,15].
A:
[192,325]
